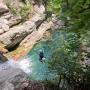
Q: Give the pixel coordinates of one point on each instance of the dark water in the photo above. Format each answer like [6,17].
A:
[40,70]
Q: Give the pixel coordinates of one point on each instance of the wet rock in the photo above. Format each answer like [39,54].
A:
[2,58]
[13,79]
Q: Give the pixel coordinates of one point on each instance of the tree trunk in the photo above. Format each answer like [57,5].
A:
[58,85]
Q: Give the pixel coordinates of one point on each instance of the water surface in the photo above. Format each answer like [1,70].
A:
[40,70]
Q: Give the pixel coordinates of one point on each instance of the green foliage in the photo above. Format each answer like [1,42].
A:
[67,54]
[22,10]
[54,6]
[78,12]
[65,63]
[76,15]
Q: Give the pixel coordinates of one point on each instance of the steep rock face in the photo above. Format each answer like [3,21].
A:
[8,20]
[27,44]
[11,31]
[37,35]
[18,33]
[27,33]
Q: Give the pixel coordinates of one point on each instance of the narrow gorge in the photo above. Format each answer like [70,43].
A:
[44,45]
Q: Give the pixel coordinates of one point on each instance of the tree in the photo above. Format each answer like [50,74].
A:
[76,15]
[65,63]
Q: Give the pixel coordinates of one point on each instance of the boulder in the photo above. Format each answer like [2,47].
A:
[13,79]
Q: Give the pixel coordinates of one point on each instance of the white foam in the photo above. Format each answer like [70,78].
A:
[24,64]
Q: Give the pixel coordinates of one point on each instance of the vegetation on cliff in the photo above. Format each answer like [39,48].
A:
[69,61]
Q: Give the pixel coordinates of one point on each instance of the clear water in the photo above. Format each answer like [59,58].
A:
[39,69]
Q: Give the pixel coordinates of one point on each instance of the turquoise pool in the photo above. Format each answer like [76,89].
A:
[40,70]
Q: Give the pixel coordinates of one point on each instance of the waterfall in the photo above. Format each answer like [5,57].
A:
[24,64]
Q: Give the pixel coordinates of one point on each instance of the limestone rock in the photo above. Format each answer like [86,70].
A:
[3,8]
[36,35]
[16,34]
[27,44]
[14,20]
[8,20]
[2,48]
[6,16]
[3,25]
[39,8]
[1,31]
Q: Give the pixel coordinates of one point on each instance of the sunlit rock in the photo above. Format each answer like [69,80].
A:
[3,8]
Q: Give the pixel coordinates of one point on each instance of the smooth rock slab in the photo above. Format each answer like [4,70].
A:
[16,34]
[12,78]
